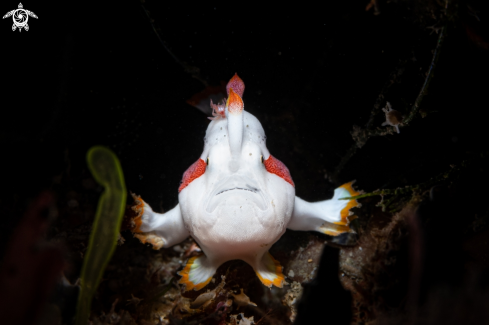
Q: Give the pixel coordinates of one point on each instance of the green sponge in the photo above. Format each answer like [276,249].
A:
[107,171]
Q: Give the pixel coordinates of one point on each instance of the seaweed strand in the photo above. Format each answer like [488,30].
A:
[401,191]
[362,135]
[429,77]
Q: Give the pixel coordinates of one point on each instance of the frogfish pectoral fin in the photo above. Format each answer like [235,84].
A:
[138,209]
[269,271]
[339,212]
[197,273]
[331,217]
[158,229]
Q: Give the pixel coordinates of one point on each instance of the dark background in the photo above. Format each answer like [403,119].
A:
[95,73]
[90,73]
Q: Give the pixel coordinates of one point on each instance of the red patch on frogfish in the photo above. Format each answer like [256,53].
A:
[236,84]
[195,170]
[275,166]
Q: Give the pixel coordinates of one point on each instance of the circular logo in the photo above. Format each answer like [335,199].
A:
[20,17]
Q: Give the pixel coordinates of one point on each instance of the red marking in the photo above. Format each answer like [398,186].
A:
[234,104]
[195,170]
[275,166]
[236,84]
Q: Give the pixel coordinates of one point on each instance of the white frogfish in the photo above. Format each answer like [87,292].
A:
[237,200]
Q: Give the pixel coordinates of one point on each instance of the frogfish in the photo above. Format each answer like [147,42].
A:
[237,200]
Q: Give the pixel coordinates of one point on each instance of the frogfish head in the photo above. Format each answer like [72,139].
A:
[236,186]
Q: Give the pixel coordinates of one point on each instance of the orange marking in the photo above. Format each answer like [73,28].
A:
[275,166]
[236,84]
[150,238]
[234,103]
[144,237]
[195,170]
[280,278]
[185,280]
[345,212]
[335,229]
[138,207]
